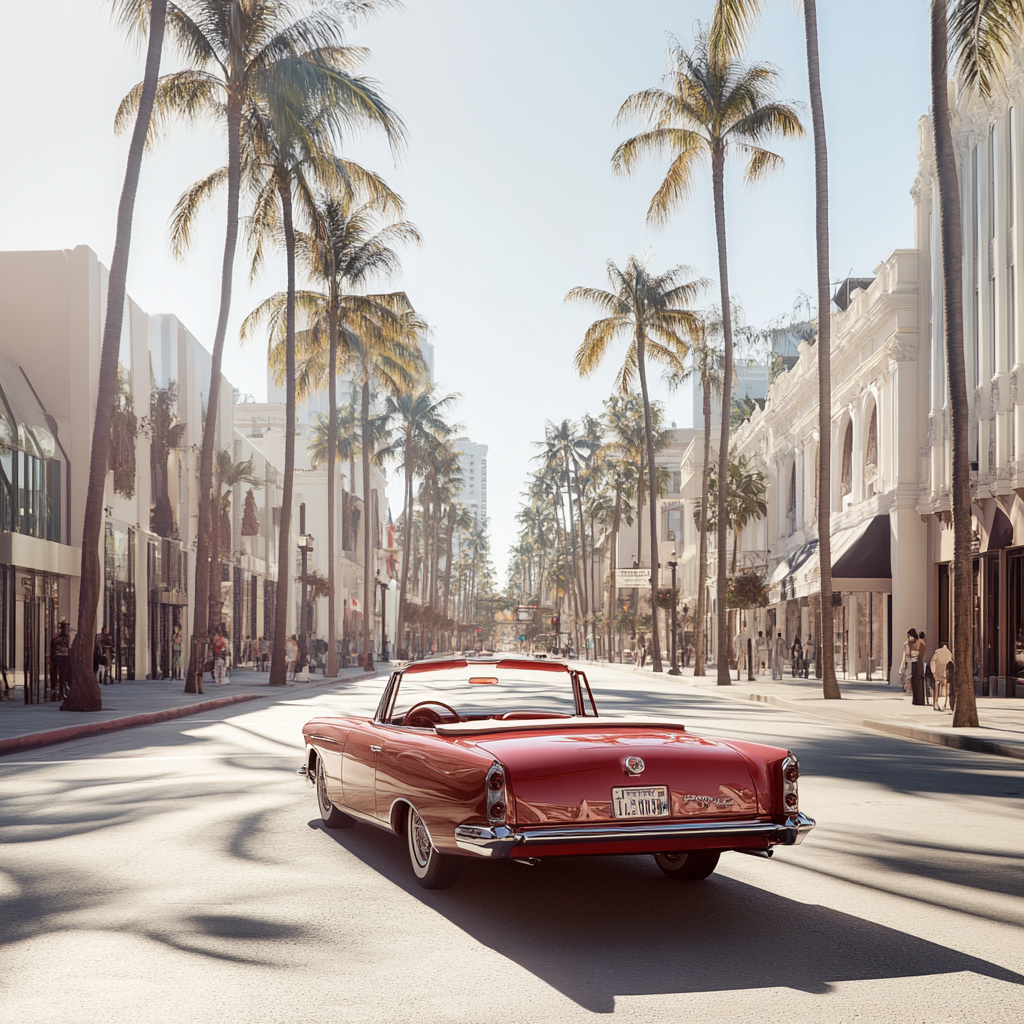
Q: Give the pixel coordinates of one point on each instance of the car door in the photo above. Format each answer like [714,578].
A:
[359,767]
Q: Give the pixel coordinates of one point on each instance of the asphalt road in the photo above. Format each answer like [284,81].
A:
[178,873]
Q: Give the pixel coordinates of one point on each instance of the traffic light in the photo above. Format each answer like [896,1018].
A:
[478,629]
[555,623]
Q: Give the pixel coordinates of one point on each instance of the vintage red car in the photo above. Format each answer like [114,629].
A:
[508,758]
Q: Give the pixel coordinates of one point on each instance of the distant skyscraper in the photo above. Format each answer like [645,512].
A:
[473,467]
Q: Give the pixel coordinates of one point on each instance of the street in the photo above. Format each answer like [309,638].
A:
[180,872]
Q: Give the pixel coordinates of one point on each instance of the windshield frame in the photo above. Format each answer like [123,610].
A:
[581,693]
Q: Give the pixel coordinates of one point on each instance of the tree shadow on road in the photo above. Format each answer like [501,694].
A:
[597,928]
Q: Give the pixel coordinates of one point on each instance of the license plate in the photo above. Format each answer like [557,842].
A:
[640,802]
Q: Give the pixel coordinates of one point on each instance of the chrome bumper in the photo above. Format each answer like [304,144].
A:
[499,841]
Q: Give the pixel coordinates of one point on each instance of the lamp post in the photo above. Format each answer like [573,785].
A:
[674,670]
[305,542]
[384,588]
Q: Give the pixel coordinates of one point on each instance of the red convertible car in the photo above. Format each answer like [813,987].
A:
[509,758]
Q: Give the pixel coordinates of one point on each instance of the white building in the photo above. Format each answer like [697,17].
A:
[473,470]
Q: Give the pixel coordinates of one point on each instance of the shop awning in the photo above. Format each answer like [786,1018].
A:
[860,562]
[865,563]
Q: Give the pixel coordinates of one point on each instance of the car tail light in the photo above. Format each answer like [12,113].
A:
[790,784]
[497,804]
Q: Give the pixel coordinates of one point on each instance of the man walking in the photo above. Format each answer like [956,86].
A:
[760,653]
[778,647]
[60,663]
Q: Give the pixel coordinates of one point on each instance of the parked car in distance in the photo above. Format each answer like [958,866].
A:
[508,758]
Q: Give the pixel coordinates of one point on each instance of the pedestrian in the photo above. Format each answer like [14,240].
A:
[760,652]
[941,667]
[60,662]
[929,678]
[909,656]
[796,653]
[105,644]
[778,647]
[176,653]
[810,654]
[264,653]
[219,644]
[741,649]
[291,654]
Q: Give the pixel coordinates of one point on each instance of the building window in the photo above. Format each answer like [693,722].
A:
[791,502]
[871,456]
[846,475]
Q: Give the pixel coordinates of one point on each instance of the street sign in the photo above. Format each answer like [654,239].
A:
[633,577]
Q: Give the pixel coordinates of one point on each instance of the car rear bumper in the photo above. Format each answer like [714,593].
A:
[500,841]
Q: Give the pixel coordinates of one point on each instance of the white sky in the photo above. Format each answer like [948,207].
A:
[509,107]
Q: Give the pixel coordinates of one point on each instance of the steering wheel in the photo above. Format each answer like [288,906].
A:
[429,721]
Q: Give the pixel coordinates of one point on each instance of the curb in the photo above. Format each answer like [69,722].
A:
[32,740]
[972,743]
[44,739]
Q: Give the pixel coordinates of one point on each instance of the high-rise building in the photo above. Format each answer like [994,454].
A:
[473,467]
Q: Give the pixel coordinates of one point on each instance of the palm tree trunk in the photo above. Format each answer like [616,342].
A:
[407,494]
[368,579]
[84,694]
[951,235]
[332,453]
[213,591]
[702,565]
[204,568]
[612,557]
[826,629]
[652,481]
[278,668]
[718,183]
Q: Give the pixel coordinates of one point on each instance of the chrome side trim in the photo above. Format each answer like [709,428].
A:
[499,842]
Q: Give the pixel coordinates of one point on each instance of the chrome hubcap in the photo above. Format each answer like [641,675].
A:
[321,789]
[420,840]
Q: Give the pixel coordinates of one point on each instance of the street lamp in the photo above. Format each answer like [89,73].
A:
[673,565]
[305,542]
[391,585]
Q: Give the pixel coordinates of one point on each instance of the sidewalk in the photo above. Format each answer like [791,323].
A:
[878,706]
[141,702]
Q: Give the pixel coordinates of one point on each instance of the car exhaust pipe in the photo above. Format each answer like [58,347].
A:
[527,862]
[757,853]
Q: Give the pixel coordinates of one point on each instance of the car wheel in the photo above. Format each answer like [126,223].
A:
[332,817]
[433,870]
[688,867]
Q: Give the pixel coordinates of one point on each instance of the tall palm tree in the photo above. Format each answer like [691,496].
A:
[978,35]
[235,52]
[84,694]
[288,147]
[707,365]
[653,312]
[713,104]
[230,474]
[344,248]
[420,416]
[731,25]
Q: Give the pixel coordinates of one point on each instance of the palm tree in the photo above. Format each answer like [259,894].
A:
[652,311]
[84,694]
[419,413]
[230,474]
[288,148]
[714,104]
[235,52]
[344,248]
[707,365]
[978,35]
[732,23]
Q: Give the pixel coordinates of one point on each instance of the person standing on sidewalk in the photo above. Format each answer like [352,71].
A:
[909,657]
[810,654]
[60,662]
[219,645]
[760,653]
[796,652]
[105,647]
[926,670]
[778,647]
[740,649]
[941,666]
[176,653]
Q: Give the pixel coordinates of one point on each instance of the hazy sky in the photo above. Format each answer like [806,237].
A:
[509,108]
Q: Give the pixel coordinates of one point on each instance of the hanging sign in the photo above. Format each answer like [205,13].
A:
[633,577]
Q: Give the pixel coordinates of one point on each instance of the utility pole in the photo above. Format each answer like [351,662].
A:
[674,670]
